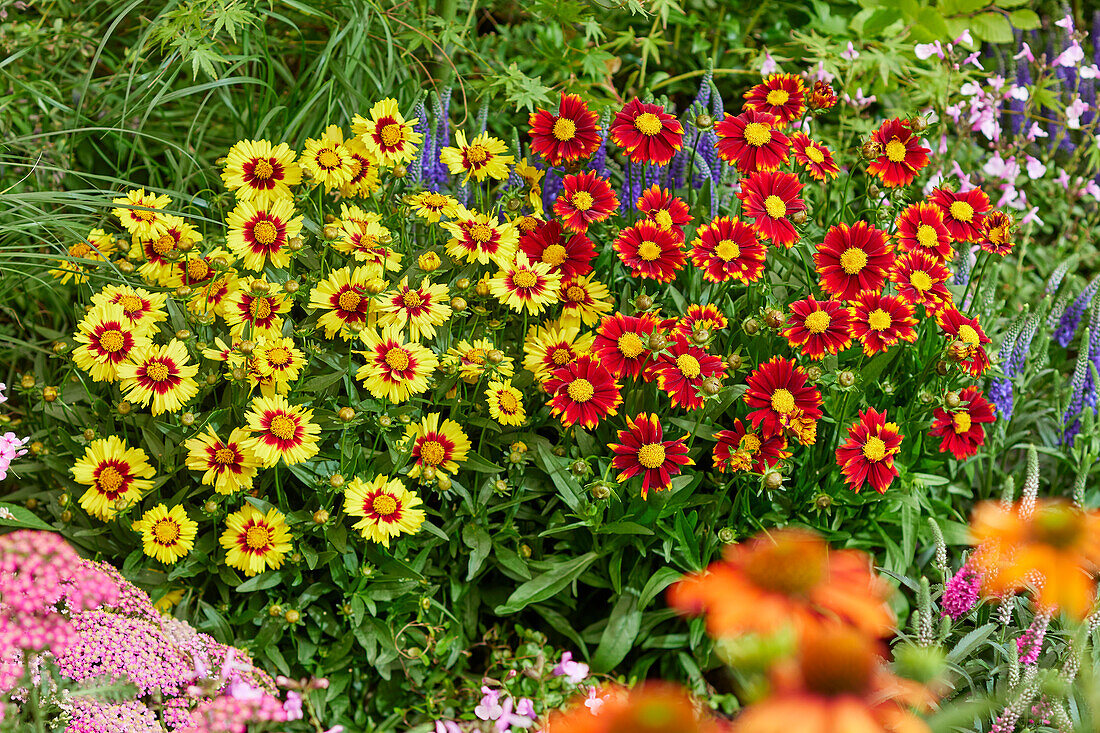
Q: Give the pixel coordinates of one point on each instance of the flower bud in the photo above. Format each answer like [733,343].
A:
[822,502]
[643,302]
[704,121]
[28,381]
[700,337]
[385,421]
[773,480]
[951,399]
[183,291]
[49,394]
[38,448]
[399,171]
[296,558]
[260,287]
[89,434]
[320,516]
[601,491]
[292,616]
[429,262]
[734,361]
[275,610]
[427,473]
[813,372]
[185,245]
[346,414]
[501,486]
[462,283]
[846,378]
[212,379]
[711,386]
[210,506]
[727,536]
[336,480]
[31,503]
[495,356]
[887,387]
[295,244]
[482,288]
[375,286]
[66,516]
[59,347]
[942,368]
[331,232]
[751,326]
[238,374]
[513,205]
[187,418]
[925,396]
[291,286]
[519,447]
[774,318]
[871,150]
[404,419]
[918,124]
[799,218]
[515,457]
[124,407]
[183,334]
[126,268]
[443,482]
[656,342]
[525,551]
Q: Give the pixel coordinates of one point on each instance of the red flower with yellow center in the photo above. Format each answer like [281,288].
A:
[646,132]
[571,134]
[650,252]
[920,227]
[852,260]
[818,328]
[781,95]
[998,233]
[902,156]
[750,142]
[769,198]
[641,450]
[921,279]
[728,249]
[963,212]
[868,454]
[880,321]
[622,343]
[961,430]
[567,254]
[585,199]
[665,210]
[682,371]
[583,392]
[966,340]
[747,451]
[701,318]
[778,393]
[814,157]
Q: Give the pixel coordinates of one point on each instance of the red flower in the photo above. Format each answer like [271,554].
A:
[568,257]
[665,210]
[751,142]
[647,132]
[778,394]
[728,249]
[583,392]
[822,97]
[622,343]
[998,233]
[921,228]
[902,154]
[650,252]
[962,430]
[682,371]
[868,454]
[880,321]
[640,450]
[707,317]
[571,134]
[782,95]
[818,328]
[745,451]
[920,279]
[585,199]
[967,339]
[814,157]
[963,212]
[853,259]
[769,198]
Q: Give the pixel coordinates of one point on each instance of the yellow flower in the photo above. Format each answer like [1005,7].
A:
[96,246]
[229,466]
[115,474]
[259,235]
[166,534]
[106,340]
[255,311]
[430,205]
[442,447]
[213,295]
[470,360]
[387,508]
[584,300]
[260,173]
[395,370]
[275,364]
[281,430]
[364,178]
[141,213]
[162,250]
[551,346]
[165,603]
[420,309]
[388,135]
[505,403]
[328,161]
[142,309]
[525,285]
[344,299]
[482,157]
[161,375]
[255,541]
[481,237]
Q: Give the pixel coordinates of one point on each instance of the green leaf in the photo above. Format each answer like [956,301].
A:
[618,637]
[567,487]
[992,27]
[480,544]
[263,581]
[547,585]
[970,642]
[474,462]
[663,578]
[21,517]
[1024,19]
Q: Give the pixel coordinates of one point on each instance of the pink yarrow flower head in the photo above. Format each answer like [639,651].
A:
[574,671]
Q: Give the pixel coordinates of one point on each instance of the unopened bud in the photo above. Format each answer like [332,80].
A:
[320,516]
[275,610]
[482,288]
[49,394]
[773,480]
[429,262]
[187,419]
[462,283]
[704,121]
[261,287]
[846,378]
[799,218]
[525,551]
[295,244]
[458,304]
[126,267]
[774,318]
[495,356]
[292,616]
[89,434]
[336,480]
[124,407]
[813,373]
[951,399]
[871,150]
[346,414]
[700,337]
[643,302]
[443,482]
[291,286]
[712,386]
[331,232]
[751,326]
[727,536]
[59,347]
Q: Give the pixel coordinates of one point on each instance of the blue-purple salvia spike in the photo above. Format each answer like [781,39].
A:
[1077,394]
[1071,319]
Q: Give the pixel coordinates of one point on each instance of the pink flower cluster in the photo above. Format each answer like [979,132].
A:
[960,594]
[11,445]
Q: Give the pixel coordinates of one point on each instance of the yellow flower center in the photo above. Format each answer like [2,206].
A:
[775,207]
[477,153]
[651,455]
[757,134]
[874,449]
[224,456]
[259,308]
[926,236]
[968,335]
[525,279]
[279,356]
[263,170]
[777,97]
[282,427]
[920,280]
[257,537]
[166,531]
[390,134]
[580,390]
[432,452]
[554,255]
[582,201]
[110,480]
[146,216]
[814,154]
[663,219]
[397,359]
[412,299]
[688,365]
[630,345]
[961,211]
[384,505]
[476,356]
[265,233]
[434,200]
[507,402]
[112,341]
[157,371]
[575,293]
[727,250]
[481,233]
[649,251]
[164,244]
[197,270]
[648,124]
[853,260]
[818,322]
[328,159]
[80,249]
[878,320]
[783,401]
[564,129]
[561,356]
[750,442]
[895,151]
[349,300]
[962,422]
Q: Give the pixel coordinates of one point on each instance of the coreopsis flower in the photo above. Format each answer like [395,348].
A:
[646,132]
[920,227]
[364,170]
[469,359]
[505,403]
[998,233]
[751,141]
[254,541]
[115,474]
[193,270]
[275,363]
[227,465]
[281,430]
[567,253]
[166,534]
[527,223]
[920,278]
[902,156]
[258,172]
[650,252]
[107,339]
[388,136]
[868,454]
[880,321]
[431,206]
[142,214]
[228,353]
[642,450]
[683,369]
[583,392]
[327,160]
[769,198]
[480,237]
[141,308]
[966,340]
[419,309]
[97,247]
[649,707]
[436,445]
[701,317]
[363,239]
[853,259]
[483,157]
[553,345]
[259,236]
[621,343]
[395,369]
[162,250]
[964,212]
[779,393]
[385,507]
[585,199]
[1052,540]
[815,158]
[256,310]
[822,97]
[584,300]
[570,135]
[213,295]
[780,95]
[786,578]
[961,430]
[160,375]
[818,328]
[665,210]
[344,300]
[742,450]
[525,285]
[728,249]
